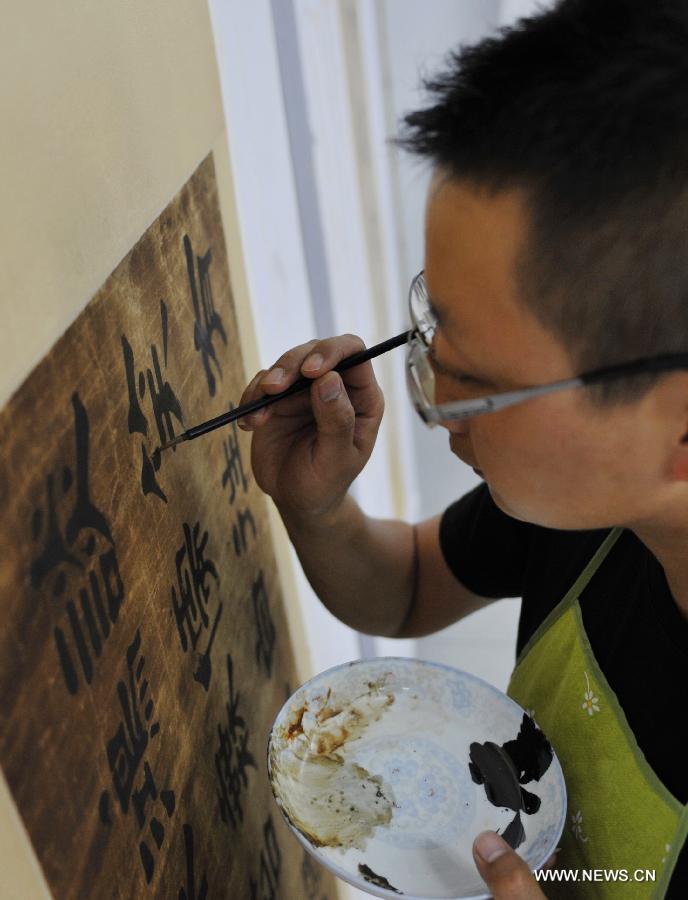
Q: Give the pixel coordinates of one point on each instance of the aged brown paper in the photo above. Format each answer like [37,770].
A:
[144,649]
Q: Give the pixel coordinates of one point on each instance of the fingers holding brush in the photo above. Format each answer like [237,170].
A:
[307,448]
[251,393]
[280,376]
[314,360]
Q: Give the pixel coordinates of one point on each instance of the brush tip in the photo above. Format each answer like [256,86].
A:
[167,446]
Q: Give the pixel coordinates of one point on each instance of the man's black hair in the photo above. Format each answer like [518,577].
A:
[585,107]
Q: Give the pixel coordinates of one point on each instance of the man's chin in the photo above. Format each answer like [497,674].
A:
[455,450]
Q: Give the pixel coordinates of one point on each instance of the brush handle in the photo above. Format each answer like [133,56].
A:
[301,384]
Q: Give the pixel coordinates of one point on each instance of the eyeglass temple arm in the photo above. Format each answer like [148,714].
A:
[468,408]
[663,363]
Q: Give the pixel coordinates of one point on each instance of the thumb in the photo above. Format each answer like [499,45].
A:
[502,869]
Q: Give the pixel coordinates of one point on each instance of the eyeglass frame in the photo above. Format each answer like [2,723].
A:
[456,410]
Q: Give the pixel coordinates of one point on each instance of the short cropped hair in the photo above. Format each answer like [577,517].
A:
[585,107]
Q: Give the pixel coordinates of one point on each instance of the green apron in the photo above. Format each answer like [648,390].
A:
[620,816]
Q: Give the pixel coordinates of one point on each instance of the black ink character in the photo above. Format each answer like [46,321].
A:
[125,752]
[265,888]
[234,464]
[232,758]
[235,476]
[189,893]
[204,671]
[239,529]
[163,401]
[147,792]
[265,644]
[207,318]
[311,875]
[504,769]
[82,560]
[190,609]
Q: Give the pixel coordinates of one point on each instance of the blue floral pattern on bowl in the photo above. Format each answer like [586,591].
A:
[432,790]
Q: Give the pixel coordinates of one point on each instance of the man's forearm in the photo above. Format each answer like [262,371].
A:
[362,569]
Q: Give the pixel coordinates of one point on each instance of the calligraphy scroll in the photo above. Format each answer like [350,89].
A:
[144,649]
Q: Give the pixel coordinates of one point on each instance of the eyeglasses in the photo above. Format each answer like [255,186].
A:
[420,376]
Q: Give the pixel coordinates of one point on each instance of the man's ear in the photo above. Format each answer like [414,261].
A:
[679,460]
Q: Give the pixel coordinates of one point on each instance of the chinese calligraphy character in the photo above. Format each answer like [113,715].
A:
[190,892]
[125,752]
[190,606]
[239,529]
[270,865]
[232,758]
[163,401]
[265,644]
[234,468]
[235,476]
[70,564]
[207,318]
[310,874]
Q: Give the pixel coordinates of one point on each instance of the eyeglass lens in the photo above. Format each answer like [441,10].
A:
[422,316]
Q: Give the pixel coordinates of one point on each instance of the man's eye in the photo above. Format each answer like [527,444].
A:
[460,377]
[466,379]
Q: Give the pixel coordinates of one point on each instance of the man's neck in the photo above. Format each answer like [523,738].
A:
[669,544]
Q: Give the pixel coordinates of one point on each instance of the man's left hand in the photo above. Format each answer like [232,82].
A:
[503,870]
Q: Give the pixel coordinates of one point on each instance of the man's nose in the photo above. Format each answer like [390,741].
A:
[455,426]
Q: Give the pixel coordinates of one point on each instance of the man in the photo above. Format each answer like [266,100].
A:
[556,246]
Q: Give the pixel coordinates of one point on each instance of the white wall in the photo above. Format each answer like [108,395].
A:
[270,232]
[332,229]
[416,37]
[415,44]
[312,92]
[510,10]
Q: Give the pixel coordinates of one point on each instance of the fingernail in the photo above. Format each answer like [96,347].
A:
[251,420]
[312,362]
[490,846]
[330,389]
[274,376]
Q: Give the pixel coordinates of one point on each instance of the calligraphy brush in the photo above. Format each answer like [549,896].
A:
[301,384]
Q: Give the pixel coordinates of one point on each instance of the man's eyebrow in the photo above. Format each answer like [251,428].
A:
[458,372]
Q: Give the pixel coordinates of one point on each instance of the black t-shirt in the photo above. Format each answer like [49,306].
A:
[638,635]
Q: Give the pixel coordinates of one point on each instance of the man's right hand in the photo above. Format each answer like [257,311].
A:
[308,448]
[379,576]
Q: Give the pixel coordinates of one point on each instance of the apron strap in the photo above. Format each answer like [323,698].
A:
[586,575]
[574,591]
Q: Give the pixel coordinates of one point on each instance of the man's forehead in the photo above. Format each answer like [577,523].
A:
[472,243]
[462,216]
[473,240]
